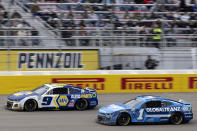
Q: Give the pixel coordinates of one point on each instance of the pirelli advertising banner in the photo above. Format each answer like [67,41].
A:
[48,60]
[142,83]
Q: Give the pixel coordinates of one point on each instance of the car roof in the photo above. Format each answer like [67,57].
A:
[155,98]
[61,85]
[148,97]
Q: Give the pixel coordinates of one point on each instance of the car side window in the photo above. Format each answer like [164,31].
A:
[143,105]
[166,104]
[73,91]
[152,104]
[60,91]
[50,92]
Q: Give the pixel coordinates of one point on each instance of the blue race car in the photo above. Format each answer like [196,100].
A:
[50,96]
[146,109]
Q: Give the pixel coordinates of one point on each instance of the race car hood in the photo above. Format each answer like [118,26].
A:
[113,108]
[17,96]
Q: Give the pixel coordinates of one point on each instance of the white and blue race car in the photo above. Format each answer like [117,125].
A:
[53,96]
[145,109]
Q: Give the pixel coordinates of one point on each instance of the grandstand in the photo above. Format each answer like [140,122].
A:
[124,31]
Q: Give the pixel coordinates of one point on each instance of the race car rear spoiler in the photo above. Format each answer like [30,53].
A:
[184,102]
[90,89]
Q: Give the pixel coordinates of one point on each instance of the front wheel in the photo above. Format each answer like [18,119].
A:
[81,104]
[123,119]
[176,118]
[30,105]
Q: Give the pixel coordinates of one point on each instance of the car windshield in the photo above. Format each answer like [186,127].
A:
[133,103]
[41,89]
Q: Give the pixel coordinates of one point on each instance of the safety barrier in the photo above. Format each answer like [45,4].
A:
[103,81]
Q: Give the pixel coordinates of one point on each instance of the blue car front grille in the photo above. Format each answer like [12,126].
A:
[100,118]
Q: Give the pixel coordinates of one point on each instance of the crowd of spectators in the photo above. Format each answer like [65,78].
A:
[151,19]
[14,29]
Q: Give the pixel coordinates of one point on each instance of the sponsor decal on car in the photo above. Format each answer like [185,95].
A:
[22,93]
[93,103]
[75,96]
[62,100]
[71,103]
[94,95]
[86,96]
[17,94]
[187,108]
[167,109]
[83,96]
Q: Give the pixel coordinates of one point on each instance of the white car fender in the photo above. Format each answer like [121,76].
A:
[27,98]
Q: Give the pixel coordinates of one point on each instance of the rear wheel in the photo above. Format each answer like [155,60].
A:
[176,118]
[81,104]
[123,119]
[30,105]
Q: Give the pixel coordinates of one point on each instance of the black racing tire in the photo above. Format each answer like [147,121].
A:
[123,119]
[176,118]
[81,104]
[30,105]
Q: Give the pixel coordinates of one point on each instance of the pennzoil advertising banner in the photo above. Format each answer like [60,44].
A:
[48,60]
[109,83]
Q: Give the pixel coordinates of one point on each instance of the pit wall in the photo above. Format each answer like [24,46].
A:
[103,83]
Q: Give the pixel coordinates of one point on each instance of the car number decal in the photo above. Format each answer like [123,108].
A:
[47,100]
[140,117]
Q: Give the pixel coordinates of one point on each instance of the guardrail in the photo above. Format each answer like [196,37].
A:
[97,4]
[169,40]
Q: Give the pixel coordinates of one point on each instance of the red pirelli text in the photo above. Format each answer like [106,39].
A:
[147,83]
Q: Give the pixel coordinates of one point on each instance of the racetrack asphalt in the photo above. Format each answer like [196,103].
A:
[85,120]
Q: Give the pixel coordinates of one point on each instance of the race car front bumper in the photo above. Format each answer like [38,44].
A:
[105,120]
[13,105]
[188,116]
